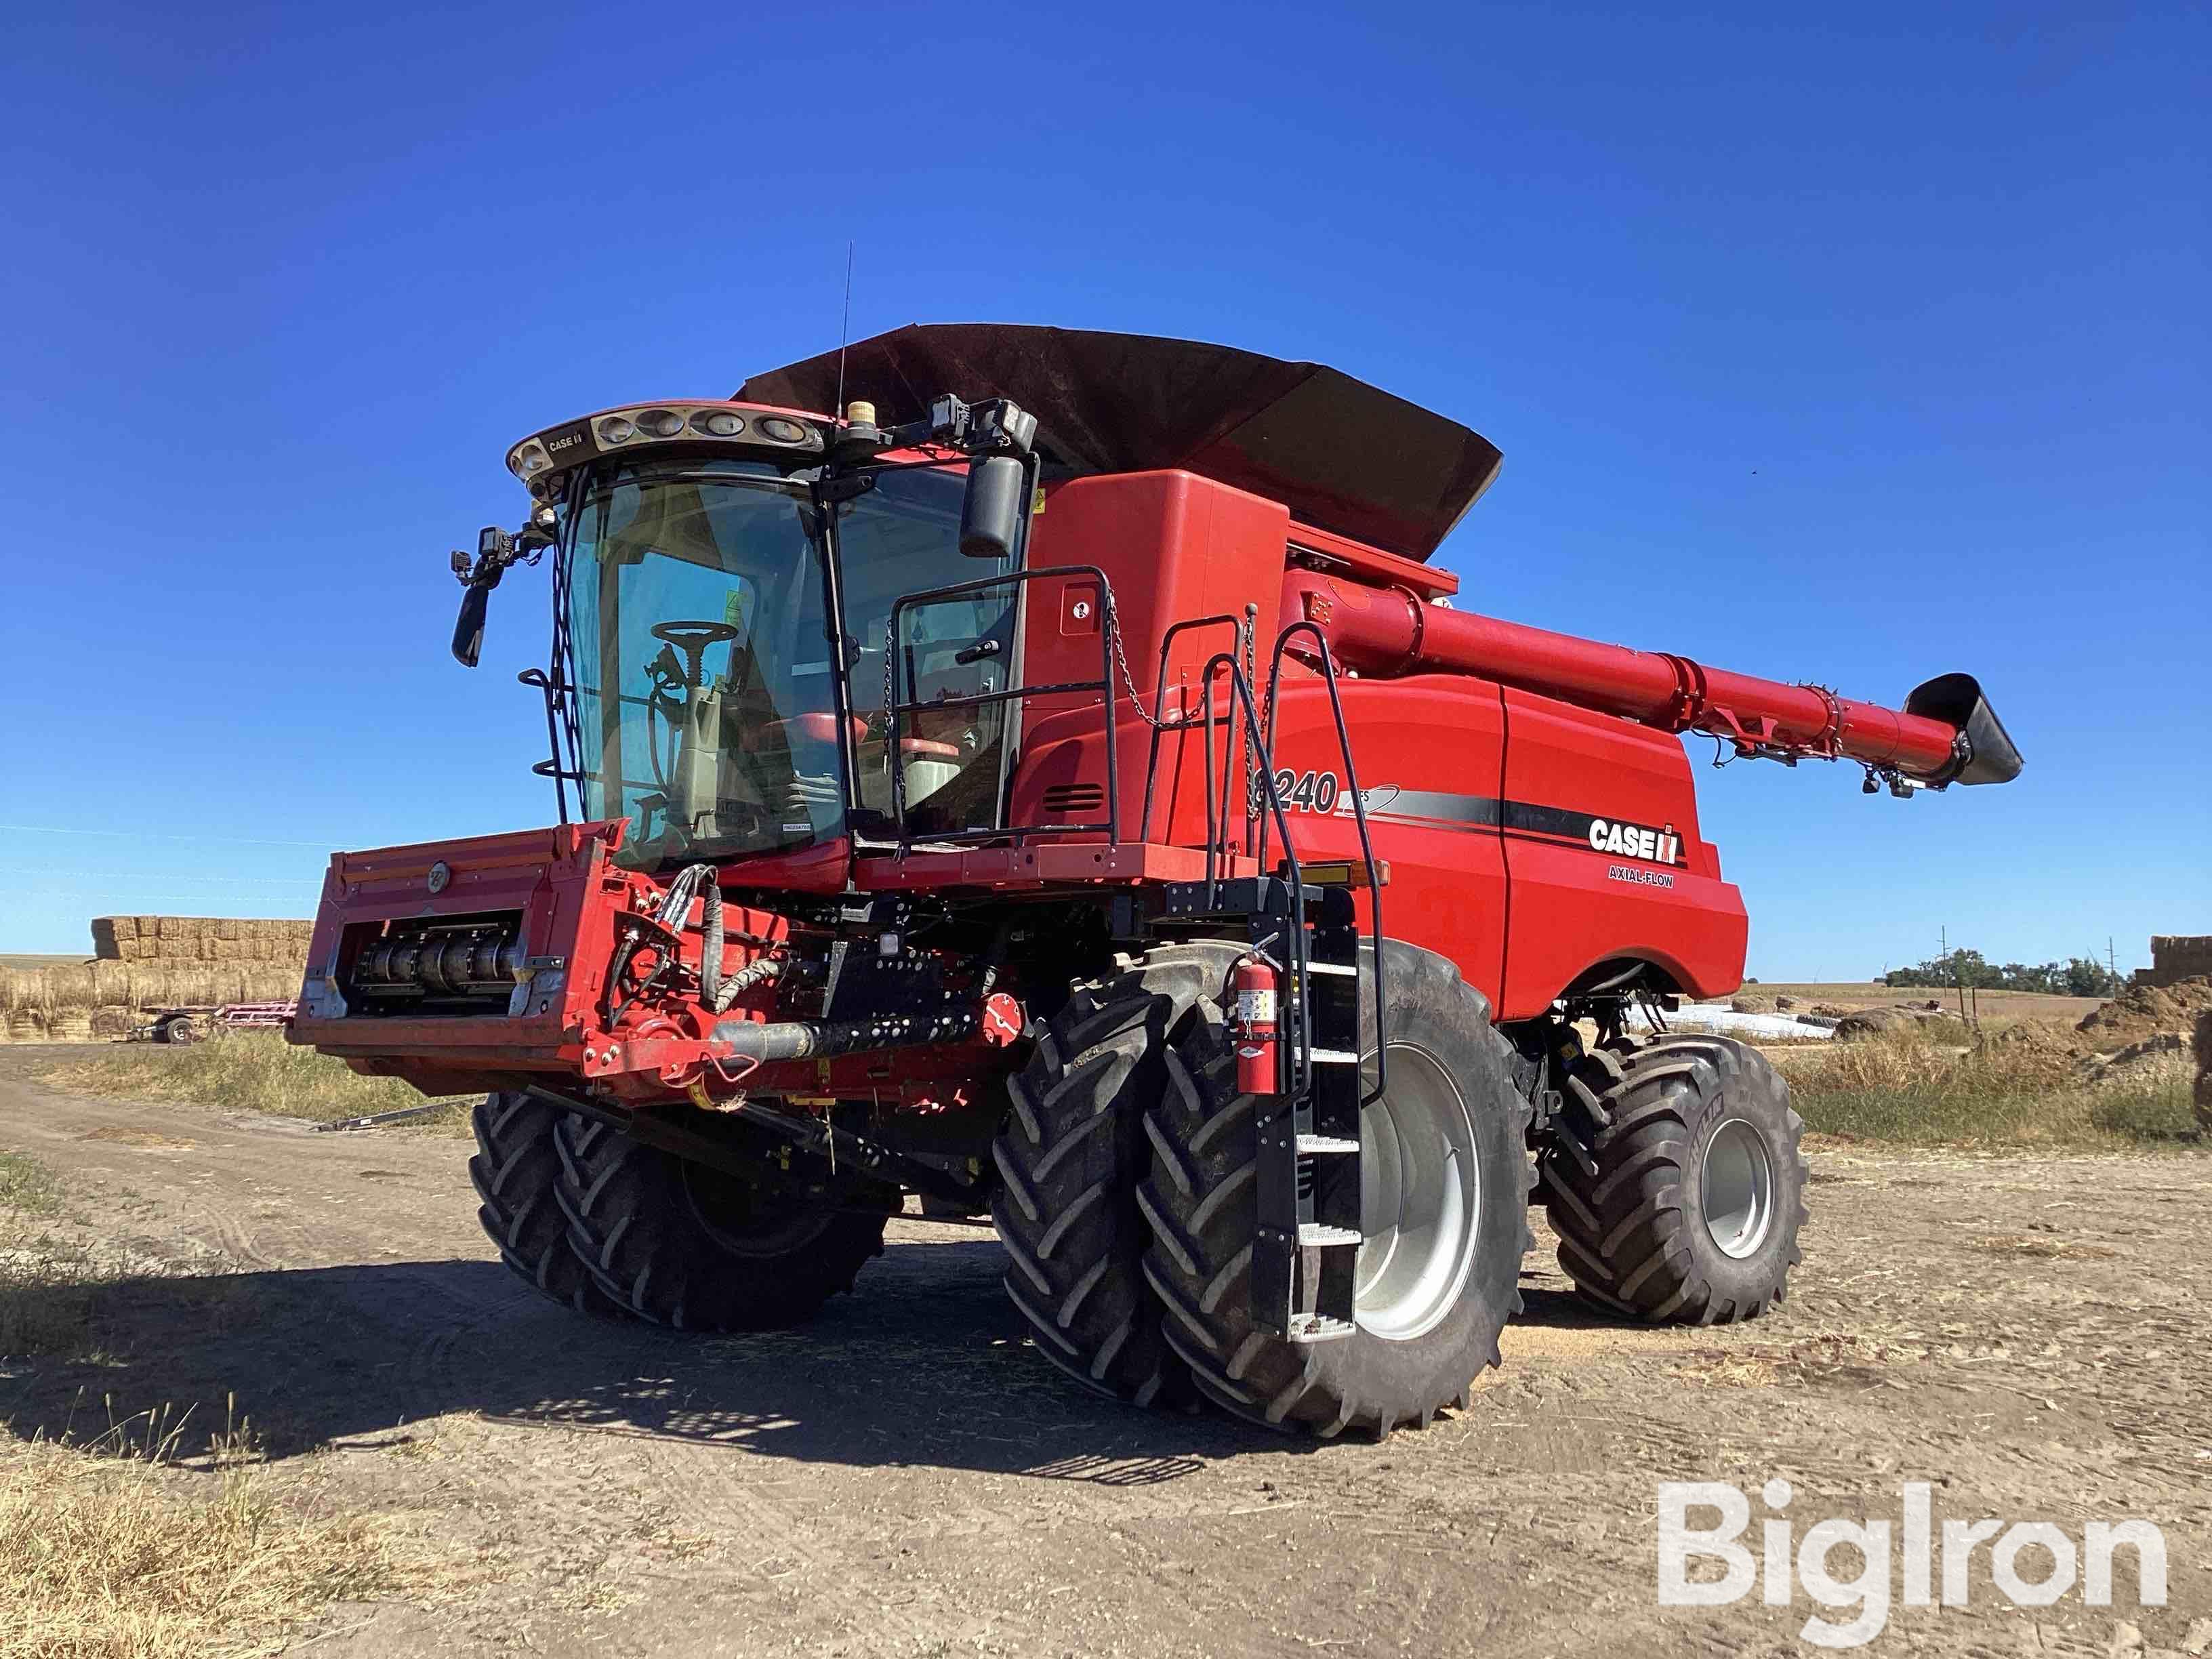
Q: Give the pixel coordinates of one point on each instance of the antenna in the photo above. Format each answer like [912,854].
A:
[844,333]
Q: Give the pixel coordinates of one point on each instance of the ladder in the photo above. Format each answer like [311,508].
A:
[1302,925]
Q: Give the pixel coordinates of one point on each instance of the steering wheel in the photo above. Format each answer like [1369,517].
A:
[693,639]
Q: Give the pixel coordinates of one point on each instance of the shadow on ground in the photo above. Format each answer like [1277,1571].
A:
[927,1364]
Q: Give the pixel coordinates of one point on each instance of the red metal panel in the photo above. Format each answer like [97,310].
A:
[1574,903]
[1428,754]
[1088,862]
[1175,546]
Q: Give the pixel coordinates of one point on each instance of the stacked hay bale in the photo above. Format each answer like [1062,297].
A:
[200,940]
[153,962]
[2202,1101]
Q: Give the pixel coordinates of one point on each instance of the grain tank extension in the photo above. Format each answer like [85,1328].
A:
[1055,787]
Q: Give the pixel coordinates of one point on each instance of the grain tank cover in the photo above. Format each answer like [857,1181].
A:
[1339,453]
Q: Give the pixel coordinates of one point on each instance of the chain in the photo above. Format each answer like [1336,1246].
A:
[888,644]
[1129,680]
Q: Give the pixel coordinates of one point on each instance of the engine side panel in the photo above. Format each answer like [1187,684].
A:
[1429,752]
[1604,858]
[1175,546]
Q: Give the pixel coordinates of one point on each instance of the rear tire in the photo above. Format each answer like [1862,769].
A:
[516,1174]
[1675,1182]
[1437,1287]
[1070,1155]
[696,1249]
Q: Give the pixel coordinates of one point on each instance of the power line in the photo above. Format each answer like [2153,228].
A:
[156,835]
[107,895]
[128,876]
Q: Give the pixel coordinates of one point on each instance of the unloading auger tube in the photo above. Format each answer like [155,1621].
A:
[1946,733]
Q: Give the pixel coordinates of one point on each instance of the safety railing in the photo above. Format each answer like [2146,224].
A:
[896,710]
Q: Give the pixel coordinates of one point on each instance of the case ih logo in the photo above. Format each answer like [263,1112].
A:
[1634,841]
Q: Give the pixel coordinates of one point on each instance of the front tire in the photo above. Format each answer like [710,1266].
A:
[1675,1182]
[696,1249]
[517,1175]
[1444,1197]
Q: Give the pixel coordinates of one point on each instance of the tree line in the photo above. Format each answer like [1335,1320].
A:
[2076,976]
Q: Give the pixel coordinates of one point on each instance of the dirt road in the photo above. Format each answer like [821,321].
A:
[906,1478]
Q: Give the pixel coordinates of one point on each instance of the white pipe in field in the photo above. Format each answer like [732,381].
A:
[1726,1022]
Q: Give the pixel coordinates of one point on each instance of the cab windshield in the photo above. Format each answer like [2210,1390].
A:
[698,623]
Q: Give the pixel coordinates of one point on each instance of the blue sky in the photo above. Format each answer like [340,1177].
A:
[1857,347]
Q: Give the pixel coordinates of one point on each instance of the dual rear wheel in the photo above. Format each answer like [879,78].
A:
[1673,1177]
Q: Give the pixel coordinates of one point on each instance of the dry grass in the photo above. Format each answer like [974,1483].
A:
[1909,1086]
[113,1549]
[28,1187]
[44,1305]
[120,1545]
[248,1072]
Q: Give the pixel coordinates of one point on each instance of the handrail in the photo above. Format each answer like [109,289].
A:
[1358,813]
[1296,1055]
[1159,720]
[895,709]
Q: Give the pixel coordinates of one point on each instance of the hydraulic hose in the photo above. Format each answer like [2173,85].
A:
[716,993]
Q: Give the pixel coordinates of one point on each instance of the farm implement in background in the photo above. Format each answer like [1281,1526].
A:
[199,1021]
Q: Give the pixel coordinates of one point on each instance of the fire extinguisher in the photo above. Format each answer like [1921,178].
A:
[1255,985]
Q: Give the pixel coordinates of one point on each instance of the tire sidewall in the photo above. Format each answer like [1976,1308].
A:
[1431,1011]
[1740,1098]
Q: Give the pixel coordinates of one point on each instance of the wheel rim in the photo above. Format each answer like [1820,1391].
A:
[1420,1200]
[1737,1188]
[730,1211]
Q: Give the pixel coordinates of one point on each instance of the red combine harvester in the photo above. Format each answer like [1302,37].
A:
[1080,803]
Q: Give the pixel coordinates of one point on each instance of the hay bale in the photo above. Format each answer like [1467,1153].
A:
[110,984]
[110,1024]
[1869,1022]
[1752,1005]
[2201,1099]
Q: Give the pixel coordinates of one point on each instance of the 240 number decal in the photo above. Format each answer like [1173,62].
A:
[1301,792]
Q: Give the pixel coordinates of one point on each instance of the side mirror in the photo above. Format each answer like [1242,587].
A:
[468,632]
[991,512]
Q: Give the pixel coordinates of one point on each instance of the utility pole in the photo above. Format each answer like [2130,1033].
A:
[1958,972]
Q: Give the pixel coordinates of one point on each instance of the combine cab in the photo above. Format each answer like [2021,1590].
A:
[1057,787]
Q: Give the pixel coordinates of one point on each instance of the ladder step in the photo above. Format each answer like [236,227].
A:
[1326,1143]
[1313,1233]
[1344,967]
[1332,1057]
[1319,1328]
